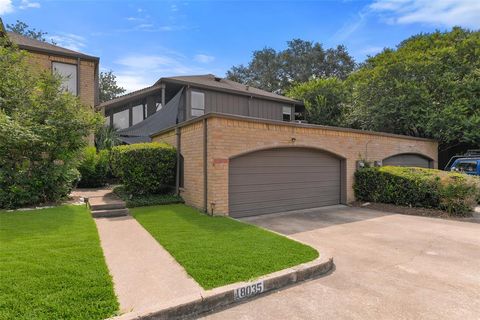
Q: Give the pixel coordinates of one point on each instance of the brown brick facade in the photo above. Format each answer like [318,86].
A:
[230,136]
[87,70]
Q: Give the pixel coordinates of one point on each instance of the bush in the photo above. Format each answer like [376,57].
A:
[94,168]
[144,168]
[143,200]
[452,192]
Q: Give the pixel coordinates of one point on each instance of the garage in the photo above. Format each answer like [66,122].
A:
[408,160]
[283,179]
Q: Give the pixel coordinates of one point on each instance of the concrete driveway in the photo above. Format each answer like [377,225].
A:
[388,266]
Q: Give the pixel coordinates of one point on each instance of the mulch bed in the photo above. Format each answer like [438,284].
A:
[424,212]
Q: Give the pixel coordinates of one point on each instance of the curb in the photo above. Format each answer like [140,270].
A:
[238,292]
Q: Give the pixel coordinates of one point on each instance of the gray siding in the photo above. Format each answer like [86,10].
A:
[408,160]
[283,179]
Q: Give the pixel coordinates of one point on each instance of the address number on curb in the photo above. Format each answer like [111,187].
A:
[248,291]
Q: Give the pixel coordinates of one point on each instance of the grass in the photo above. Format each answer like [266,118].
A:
[143,200]
[217,251]
[52,266]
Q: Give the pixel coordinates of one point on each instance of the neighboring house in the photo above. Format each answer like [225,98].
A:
[79,71]
[177,99]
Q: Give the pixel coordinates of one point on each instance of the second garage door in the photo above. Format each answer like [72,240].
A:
[283,179]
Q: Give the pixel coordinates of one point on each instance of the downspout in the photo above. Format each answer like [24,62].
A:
[179,144]
[205,176]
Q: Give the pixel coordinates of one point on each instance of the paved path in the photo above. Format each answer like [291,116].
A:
[388,266]
[144,274]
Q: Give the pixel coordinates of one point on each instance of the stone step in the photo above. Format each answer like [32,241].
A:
[107,205]
[109,213]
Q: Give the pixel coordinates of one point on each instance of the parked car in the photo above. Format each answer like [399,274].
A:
[470,154]
[467,165]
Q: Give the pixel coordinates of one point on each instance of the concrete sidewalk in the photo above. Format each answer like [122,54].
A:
[144,274]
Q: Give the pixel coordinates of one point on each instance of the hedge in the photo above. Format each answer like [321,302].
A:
[142,200]
[417,187]
[144,168]
[94,168]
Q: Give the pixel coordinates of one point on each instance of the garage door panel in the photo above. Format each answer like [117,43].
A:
[282,179]
[274,195]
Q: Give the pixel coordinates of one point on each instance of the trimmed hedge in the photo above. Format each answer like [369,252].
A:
[142,200]
[94,168]
[452,192]
[144,168]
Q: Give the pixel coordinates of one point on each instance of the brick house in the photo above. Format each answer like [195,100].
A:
[80,72]
[241,152]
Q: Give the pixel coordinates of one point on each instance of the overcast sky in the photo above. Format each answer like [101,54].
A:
[142,41]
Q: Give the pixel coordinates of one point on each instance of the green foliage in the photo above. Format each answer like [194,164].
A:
[301,61]
[42,131]
[94,168]
[325,100]
[106,137]
[453,192]
[144,168]
[22,28]
[217,251]
[108,86]
[52,266]
[142,200]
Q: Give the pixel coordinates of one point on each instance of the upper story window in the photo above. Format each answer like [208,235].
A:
[197,103]
[287,113]
[137,114]
[68,72]
[121,120]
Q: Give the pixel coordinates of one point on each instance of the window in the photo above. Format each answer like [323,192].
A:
[287,113]
[467,166]
[158,106]
[137,114]
[198,103]
[121,119]
[68,72]
[107,121]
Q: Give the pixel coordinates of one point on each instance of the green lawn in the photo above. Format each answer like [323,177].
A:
[52,266]
[217,251]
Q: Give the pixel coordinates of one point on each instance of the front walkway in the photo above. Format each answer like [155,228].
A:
[144,274]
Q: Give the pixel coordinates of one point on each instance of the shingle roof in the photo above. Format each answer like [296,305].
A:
[126,97]
[30,44]
[214,82]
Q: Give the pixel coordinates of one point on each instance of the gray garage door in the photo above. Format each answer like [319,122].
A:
[407,160]
[282,179]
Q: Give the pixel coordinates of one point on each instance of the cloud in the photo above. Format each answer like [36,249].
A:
[26,4]
[448,13]
[138,71]
[69,40]
[371,50]
[6,6]
[203,58]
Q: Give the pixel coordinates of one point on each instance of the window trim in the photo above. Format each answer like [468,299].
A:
[290,117]
[202,110]
[77,73]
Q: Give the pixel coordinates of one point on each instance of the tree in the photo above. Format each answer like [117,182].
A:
[42,131]
[428,87]
[326,100]
[108,86]
[22,28]
[299,62]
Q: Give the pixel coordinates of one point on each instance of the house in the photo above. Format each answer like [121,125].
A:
[177,99]
[79,71]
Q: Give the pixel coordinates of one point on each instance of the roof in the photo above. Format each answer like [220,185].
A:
[210,81]
[128,96]
[30,44]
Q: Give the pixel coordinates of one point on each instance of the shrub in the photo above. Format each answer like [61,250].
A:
[453,192]
[144,168]
[42,131]
[94,168]
[143,200]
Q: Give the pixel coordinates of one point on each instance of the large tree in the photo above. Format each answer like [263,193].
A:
[299,62]
[109,88]
[428,87]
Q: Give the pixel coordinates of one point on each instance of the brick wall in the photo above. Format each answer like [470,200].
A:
[42,62]
[229,137]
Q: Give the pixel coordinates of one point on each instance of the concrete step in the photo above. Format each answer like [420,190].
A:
[107,206]
[110,213]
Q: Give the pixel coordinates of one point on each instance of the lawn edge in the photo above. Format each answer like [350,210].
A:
[222,297]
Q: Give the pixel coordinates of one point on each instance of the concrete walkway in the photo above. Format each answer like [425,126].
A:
[144,274]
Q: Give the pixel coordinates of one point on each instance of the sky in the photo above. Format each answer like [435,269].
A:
[142,41]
